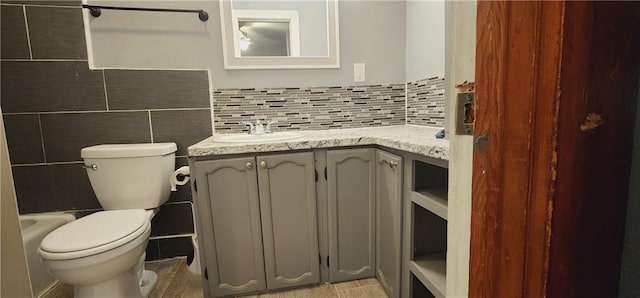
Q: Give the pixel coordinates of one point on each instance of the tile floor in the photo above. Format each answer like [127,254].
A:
[175,281]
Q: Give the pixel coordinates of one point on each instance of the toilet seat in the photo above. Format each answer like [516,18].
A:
[94,234]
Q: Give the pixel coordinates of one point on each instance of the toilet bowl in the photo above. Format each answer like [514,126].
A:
[102,254]
[98,253]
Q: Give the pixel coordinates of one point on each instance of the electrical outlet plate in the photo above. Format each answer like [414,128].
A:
[465,114]
[359,72]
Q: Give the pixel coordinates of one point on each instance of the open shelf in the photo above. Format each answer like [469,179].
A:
[434,200]
[431,270]
[429,245]
[418,289]
[430,188]
[426,221]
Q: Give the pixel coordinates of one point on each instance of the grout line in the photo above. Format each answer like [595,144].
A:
[165,260]
[406,103]
[40,5]
[105,111]
[26,26]
[150,126]
[104,85]
[41,60]
[171,236]
[132,68]
[211,103]
[47,163]
[84,210]
[177,203]
[74,162]
[44,152]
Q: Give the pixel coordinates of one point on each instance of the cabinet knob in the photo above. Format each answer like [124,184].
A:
[263,164]
[249,166]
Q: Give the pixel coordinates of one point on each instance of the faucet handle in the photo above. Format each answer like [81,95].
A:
[252,129]
[268,129]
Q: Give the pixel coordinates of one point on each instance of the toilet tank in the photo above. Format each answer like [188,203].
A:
[130,176]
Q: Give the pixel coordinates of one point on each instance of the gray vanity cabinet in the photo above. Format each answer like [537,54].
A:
[351,217]
[234,252]
[388,221]
[289,219]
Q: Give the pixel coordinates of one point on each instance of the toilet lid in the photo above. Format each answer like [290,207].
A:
[97,232]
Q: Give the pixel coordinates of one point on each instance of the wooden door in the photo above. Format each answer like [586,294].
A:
[557,84]
[351,197]
[388,221]
[289,219]
[233,253]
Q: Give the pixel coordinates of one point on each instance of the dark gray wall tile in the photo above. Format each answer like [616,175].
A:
[34,188]
[175,247]
[53,188]
[185,128]
[173,219]
[46,2]
[83,213]
[56,33]
[183,193]
[157,89]
[164,248]
[72,188]
[153,250]
[23,138]
[13,35]
[66,134]
[50,86]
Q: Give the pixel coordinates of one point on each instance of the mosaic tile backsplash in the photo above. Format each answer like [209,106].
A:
[310,108]
[425,102]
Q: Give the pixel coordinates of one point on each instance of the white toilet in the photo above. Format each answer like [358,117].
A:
[102,254]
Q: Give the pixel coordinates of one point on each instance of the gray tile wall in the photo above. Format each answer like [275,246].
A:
[426,102]
[53,105]
[310,108]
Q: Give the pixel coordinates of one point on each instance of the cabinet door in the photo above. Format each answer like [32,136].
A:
[388,219]
[351,195]
[288,205]
[235,263]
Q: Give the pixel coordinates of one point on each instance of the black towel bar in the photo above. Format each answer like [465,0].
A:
[95,10]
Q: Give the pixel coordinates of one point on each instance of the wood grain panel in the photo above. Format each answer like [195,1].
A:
[491,39]
[550,184]
[516,97]
[599,76]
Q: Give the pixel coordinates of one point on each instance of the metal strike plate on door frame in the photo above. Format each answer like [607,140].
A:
[465,117]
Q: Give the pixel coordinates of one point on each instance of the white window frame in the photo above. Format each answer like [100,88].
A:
[288,16]
[230,35]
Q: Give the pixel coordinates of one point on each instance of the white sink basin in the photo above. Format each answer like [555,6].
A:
[267,137]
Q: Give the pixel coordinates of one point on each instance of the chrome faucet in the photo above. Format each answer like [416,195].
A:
[258,128]
[268,128]
[252,129]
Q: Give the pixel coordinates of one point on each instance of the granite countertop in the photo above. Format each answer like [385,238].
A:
[409,138]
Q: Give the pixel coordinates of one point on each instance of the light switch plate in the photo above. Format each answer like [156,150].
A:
[359,72]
